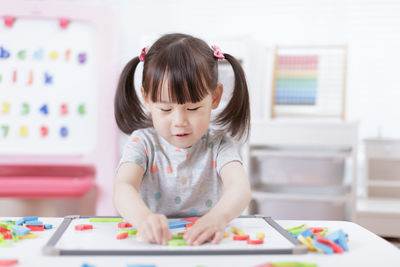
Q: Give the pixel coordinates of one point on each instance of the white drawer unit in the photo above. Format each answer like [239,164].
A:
[303,168]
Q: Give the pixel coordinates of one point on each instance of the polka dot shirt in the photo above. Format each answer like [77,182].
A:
[180,181]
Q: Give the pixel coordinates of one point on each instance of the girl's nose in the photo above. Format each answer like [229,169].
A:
[180,118]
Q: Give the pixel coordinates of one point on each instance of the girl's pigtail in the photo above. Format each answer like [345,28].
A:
[236,115]
[129,113]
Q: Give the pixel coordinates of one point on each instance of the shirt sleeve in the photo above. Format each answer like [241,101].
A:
[135,151]
[228,151]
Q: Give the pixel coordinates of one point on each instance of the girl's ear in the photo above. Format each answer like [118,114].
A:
[145,100]
[216,97]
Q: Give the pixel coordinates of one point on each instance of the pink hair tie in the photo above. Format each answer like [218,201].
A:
[143,53]
[217,52]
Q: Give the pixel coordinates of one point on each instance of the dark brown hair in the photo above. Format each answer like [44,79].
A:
[189,67]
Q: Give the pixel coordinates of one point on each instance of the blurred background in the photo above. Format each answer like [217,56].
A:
[323,81]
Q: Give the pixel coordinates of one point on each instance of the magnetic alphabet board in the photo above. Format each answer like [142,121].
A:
[309,81]
[101,240]
[48,87]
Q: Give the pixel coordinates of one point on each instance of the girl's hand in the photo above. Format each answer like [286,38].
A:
[155,229]
[208,226]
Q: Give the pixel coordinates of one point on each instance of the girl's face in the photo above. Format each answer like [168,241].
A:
[182,125]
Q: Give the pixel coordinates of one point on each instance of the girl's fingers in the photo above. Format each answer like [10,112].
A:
[193,233]
[218,236]
[201,238]
[156,228]
[166,233]
[147,234]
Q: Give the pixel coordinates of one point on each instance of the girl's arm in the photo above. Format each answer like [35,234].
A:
[152,227]
[236,197]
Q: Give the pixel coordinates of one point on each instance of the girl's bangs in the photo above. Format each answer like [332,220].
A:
[183,84]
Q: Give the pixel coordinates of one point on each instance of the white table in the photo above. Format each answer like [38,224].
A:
[365,249]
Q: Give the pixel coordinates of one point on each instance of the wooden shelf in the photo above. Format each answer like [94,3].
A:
[379,205]
[380,215]
[378,210]
[383,183]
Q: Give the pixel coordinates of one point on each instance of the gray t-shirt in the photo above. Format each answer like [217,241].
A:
[180,181]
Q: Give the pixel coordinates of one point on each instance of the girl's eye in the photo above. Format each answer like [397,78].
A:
[193,109]
[165,110]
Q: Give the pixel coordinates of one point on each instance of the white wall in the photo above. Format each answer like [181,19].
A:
[370,28]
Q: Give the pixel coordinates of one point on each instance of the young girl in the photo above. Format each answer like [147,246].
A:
[173,164]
